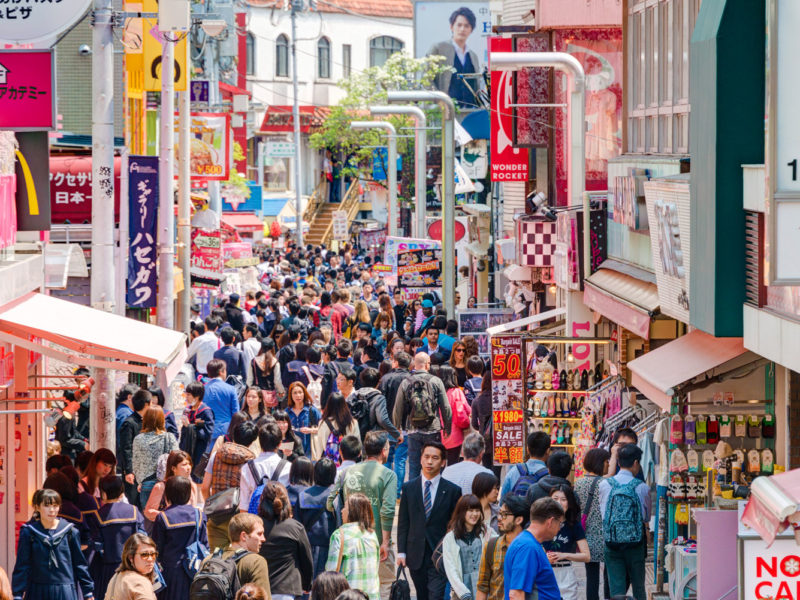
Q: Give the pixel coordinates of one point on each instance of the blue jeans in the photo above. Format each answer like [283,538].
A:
[415,443]
[397,461]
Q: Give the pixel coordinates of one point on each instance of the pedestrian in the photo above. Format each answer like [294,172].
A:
[254,403]
[112,525]
[203,347]
[379,485]
[462,547]
[379,417]
[511,520]
[421,408]
[350,449]
[124,404]
[625,506]
[65,483]
[417,538]
[220,397]
[523,476]
[481,419]
[286,549]
[149,446]
[197,423]
[179,464]
[268,465]
[267,373]
[344,348]
[251,591]
[559,466]
[595,467]
[50,564]
[246,533]
[101,464]
[463,473]
[250,347]
[328,585]
[354,546]
[458,360]
[291,447]
[312,512]
[388,386]
[526,568]
[336,422]
[301,477]
[569,545]
[360,315]
[170,423]
[461,412]
[474,383]
[133,579]
[381,329]
[487,488]
[176,529]
[303,414]
[129,430]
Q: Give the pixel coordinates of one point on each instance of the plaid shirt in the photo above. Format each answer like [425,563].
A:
[490,576]
[360,558]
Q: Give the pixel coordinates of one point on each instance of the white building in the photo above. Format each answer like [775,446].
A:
[339,38]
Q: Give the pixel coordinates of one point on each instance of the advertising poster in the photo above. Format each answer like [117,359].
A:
[33,183]
[440,28]
[27,87]
[420,268]
[507,399]
[372,238]
[508,163]
[143,211]
[394,245]
[207,250]
[71,188]
[210,151]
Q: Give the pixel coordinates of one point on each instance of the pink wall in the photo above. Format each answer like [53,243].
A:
[578,13]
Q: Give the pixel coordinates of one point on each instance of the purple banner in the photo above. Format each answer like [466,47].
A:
[142,253]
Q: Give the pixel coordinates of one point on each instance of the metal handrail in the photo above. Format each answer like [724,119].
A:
[314,203]
[350,202]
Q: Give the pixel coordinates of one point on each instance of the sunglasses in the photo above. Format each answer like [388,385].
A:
[459,350]
[152,554]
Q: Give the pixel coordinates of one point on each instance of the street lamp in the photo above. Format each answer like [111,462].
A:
[448,185]
[391,168]
[420,143]
[515,61]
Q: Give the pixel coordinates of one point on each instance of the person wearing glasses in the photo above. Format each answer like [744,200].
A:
[134,577]
[510,522]
[458,360]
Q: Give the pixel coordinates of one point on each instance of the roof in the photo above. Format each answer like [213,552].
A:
[280,118]
[400,9]
[243,221]
[272,207]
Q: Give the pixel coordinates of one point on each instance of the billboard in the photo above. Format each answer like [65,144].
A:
[508,163]
[210,150]
[458,31]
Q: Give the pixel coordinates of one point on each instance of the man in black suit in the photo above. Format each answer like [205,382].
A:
[426,504]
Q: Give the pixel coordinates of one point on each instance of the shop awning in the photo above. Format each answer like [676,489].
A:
[622,299]
[773,504]
[62,261]
[657,373]
[511,325]
[279,119]
[243,222]
[89,337]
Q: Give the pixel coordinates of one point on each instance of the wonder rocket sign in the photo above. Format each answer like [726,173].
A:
[507,163]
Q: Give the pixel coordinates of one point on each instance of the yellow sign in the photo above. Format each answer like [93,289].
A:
[151,49]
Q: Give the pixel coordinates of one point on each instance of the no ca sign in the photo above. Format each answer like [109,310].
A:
[770,573]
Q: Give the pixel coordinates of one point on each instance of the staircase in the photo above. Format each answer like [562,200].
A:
[321,225]
[319,214]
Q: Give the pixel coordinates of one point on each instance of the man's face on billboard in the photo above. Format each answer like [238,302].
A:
[461,30]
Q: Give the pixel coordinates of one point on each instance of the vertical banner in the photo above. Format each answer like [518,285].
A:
[33,181]
[507,163]
[142,222]
[507,400]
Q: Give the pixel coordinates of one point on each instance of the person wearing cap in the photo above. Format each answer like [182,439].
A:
[428,316]
[195,310]
[233,313]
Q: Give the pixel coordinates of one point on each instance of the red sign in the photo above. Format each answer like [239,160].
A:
[507,163]
[237,250]
[27,90]
[207,249]
[8,208]
[506,357]
[435,230]
[509,437]
[71,189]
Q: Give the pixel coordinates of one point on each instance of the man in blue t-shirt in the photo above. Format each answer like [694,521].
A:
[527,569]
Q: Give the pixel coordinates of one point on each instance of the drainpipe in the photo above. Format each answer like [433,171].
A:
[391,168]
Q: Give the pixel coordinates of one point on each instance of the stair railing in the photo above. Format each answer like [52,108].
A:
[349,204]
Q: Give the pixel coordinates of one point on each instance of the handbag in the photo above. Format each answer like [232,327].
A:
[199,469]
[588,507]
[195,552]
[341,553]
[220,507]
[400,589]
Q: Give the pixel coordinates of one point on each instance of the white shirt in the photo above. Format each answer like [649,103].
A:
[250,348]
[434,486]
[265,464]
[204,347]
[461,54]
[463,473]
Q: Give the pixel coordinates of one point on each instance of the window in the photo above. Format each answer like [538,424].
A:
[346,59]
[381,48]
[282,56]
[250,53]
[324,58]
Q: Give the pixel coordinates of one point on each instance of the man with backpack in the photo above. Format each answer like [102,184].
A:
[288,354]
[267,466]
[224,572]
[344,348]
[379,418]
[358,405]
[520,477]
[625,507]
[559,466]
[422,409]
[511,521]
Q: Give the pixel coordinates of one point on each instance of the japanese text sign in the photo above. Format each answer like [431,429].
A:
[420,268]
[33,22]
[509,435]
[27,89]
[210,151]
[142,206]
[507,399]
[507,163]
[207,249]
[71,189]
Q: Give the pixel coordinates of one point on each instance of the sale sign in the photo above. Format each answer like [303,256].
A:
[507,399]
[207,250]
[507,162]
[509,436]
[27,89]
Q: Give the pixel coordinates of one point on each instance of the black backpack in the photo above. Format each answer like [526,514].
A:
[422,402]
[359,408]
[217,578]
[526,479]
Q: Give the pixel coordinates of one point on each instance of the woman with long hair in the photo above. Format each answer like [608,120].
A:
[461,413]
[385,306]
[360,315]
[569,546]
[179,464]
[354,550]
[470,346]
[462,547]
[50,564]
[301,477]
[286,547]
[487,488]
[381,329]
[482,417]
[336,423]
[101,464]
[151,443]
[303,414]
[291,447]
[458,360]
[587,490]
[328,585]
[254,403]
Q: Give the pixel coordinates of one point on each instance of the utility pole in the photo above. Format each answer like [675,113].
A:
[101,412]
[210,60]
[298,199]
[391,169]
[166,167]
[184,214]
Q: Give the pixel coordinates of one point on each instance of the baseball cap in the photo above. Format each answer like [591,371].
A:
[427,304]
[303,273]
[234,297]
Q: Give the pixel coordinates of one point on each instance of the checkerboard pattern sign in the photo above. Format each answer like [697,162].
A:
[536,243]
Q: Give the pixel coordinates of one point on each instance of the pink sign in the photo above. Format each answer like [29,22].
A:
[236,250]
[207,249]
[8,226]
[27,91]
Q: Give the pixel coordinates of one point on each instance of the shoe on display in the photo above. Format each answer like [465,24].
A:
[537,403]
[567,434]
[584,380]
[551,406]
[539,380]
[543,407]
[554,428]
[573,407]
[555,380]
[562,380]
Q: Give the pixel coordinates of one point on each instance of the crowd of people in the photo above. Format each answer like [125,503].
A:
[335,436]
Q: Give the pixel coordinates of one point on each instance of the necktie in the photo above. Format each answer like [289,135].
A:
[426,498]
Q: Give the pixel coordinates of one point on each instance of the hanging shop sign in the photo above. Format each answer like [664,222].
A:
[536,242]
[37,22]
[152,48]
[507,162]
[71,189]
[27,83]
[534,85]
[629,201]
[669,214]
[33,183]
[238,254]
[507,399]
[475,159]
[420,268]
[568,255]
[206,251]
[142,223]
[210,150]
[280,149]
[394,245]
[199,91]
[372,238]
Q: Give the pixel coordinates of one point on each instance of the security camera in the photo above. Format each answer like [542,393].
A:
[537,204]
[85,50]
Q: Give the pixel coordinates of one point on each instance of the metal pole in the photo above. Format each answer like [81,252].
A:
[448,186]
[420,148]
[124,219]
[391,168]
[166,166]
[184,215]
[210,61]
[101,412]
[514,61]
[298,199]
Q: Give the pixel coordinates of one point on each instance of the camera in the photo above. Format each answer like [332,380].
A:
[84,50]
